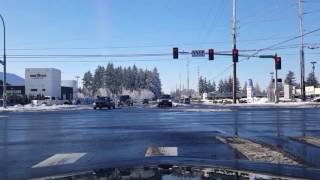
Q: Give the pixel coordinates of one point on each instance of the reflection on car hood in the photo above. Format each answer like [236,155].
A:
[190,168]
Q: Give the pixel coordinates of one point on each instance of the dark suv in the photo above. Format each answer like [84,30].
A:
[125,100]
[102,102]
[165,100]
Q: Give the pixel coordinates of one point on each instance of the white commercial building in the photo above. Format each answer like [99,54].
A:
[43,82]
[287,91]
[73,84]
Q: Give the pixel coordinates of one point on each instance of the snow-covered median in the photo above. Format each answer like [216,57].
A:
[30,108]
[310,140]
[258,152]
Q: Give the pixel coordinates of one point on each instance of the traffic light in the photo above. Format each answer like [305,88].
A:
[175,53]
[235,55]
[211,54]
[277,62]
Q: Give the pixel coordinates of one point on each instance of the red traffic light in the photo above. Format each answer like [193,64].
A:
[211,54]
[235,55]
[175,52]
[277,62]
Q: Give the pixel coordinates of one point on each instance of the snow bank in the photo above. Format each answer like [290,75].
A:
[207,110]
[31,108]
[258,152]
[161,151]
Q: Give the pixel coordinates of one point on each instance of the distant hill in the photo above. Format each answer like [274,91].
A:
[13,79]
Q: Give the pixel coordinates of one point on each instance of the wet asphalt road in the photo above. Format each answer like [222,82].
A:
[107,136]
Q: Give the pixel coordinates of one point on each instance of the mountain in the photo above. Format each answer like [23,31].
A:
[13,79]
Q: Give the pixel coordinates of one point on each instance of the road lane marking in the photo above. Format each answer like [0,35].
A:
[60,159]
[161,151]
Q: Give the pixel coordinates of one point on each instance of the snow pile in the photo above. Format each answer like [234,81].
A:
[161,151]
[179,104]
[142,94]
[31,108]
[208,110]
[310,140]
[259,100]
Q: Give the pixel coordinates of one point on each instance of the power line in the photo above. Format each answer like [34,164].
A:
[283,42]
[146,46]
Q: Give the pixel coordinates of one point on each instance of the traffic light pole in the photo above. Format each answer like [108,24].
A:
[277,61]
[276,95]
[234,32]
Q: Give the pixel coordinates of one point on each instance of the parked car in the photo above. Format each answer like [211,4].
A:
[145,101]
[102,102]
[125,100]
[48,101]
[186,101]
[165,100]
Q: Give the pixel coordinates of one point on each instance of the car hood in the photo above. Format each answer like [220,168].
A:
[180,167]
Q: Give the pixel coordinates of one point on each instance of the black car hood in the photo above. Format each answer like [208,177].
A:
[171,165]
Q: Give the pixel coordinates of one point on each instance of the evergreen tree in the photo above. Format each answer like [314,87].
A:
[110,78]
[290,79]
[213,86]
[87,83]
[244,89]
[312,80]
[201,86]
[156,83]
[257,89]
[98,79]
[114,80]
[221,86]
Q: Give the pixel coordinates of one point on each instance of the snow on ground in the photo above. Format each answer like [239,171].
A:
[179,104]
[257,152]
[207,110]
[31,108]
[310,140]
[263,102]
[161,151]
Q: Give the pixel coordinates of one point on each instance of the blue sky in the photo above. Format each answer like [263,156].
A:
[144,26]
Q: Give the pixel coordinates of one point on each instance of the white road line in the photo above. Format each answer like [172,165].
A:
[60,159]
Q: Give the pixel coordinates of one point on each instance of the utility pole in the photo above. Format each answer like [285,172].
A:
[313,67]
[188,91]
[77,77]
[302,73]
[77,90]
[276,95]
[4,63]
[198,79]
[234,46]
[180,82]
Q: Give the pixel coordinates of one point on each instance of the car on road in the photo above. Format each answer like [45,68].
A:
[165,100]
[185,100]
[125,100]
[104,102]
[145,101]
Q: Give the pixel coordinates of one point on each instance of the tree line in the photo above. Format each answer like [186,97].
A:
[224,86]
[117,79]
[311,80]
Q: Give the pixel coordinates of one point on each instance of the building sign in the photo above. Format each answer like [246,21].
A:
[38,76]
[9,91]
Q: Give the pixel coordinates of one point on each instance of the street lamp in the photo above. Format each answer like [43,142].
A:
[313,67]
[4,63]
